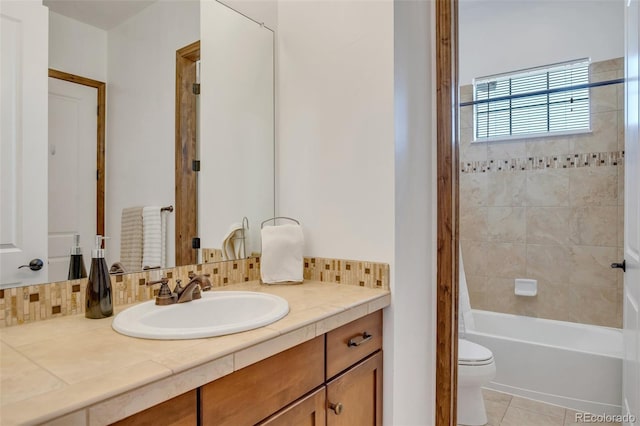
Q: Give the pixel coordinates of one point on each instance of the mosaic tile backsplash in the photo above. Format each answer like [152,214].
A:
[39,302]
[548,208]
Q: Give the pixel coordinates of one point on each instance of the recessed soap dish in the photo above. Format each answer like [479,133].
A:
[526,287]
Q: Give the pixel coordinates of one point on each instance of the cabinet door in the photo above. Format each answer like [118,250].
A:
[179,411]
[355,397]
[309,411]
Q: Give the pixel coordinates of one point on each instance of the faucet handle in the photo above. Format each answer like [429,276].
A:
[163,281]
[165,295]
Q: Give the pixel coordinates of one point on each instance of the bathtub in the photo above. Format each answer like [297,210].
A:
[572,365]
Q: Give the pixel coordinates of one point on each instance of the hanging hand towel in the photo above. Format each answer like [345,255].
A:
[281,260]
[152,237]
[231,244]
[131,238]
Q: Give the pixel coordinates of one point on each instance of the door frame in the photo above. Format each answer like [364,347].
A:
[446,42]
[101,87]
[186,196]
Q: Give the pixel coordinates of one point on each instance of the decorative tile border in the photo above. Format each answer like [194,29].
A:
[211,255]
[569,161]
[21,305]
[351,272]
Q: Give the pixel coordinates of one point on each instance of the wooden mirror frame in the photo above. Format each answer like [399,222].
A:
[446,20]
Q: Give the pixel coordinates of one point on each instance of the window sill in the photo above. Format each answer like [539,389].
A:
[513,138]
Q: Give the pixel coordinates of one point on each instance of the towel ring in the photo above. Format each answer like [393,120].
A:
[278,217]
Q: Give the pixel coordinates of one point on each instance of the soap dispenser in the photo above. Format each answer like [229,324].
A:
[99,303]
[76,262]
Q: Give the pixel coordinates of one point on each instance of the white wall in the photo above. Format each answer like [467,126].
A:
[362,184]
[499,36]
[264,11]
[410,322]
[77,48]
[335,107]
[140,111]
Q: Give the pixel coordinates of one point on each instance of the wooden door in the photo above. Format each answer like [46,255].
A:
[23,146]
[309,411]
[72,157]
[631,323]
[355,397]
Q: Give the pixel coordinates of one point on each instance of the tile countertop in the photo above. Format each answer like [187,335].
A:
[74,370]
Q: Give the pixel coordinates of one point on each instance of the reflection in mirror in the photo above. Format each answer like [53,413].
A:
[131,46]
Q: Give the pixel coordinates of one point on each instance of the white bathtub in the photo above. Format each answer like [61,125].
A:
[572,365]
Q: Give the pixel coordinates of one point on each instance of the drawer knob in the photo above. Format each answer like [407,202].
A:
[359,339]
[337,408]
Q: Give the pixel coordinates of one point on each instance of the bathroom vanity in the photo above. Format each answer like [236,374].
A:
[322,361]
[292,387]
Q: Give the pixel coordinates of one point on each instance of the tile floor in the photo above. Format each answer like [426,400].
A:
[507,410]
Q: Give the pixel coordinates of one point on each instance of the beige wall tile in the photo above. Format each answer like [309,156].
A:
[548,225]
[552,263]
[603,136]
[597,305]
[505,150]
[469,150]
[466,117]
[555,145]
[505,224]
[466,93]
[473,190]
[621,186]
[597,77]
[591,266]
[474,254]
[473,223]
[594,186]
[594,225]
[621,130]
[604,98]
[615,64]
[505,260]
[506,189]
[547,187]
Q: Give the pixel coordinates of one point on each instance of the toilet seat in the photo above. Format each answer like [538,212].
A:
[471,354]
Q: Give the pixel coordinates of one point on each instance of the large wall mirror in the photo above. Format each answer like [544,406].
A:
[131,46]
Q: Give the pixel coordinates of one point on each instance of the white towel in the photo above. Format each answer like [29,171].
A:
[131,239]
[232,243]
[152,235]
[281,259]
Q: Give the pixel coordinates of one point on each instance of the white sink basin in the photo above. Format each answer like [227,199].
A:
[216,314]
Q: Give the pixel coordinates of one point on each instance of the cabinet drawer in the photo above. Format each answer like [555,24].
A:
[179,411]
[249,395]
[352,342]
[309,411]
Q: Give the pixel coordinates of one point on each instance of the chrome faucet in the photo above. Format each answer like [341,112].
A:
[182,294]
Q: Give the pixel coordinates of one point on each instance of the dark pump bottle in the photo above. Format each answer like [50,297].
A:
[76,263]
[99,302]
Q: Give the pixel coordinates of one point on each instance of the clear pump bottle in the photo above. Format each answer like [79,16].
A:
[99,299]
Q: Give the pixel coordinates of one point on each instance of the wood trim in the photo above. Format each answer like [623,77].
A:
[447,217]
[185,152]
[100,137]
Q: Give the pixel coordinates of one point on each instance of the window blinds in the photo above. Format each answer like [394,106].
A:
[533,102]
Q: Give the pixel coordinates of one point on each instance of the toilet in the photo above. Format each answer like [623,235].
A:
[476,366]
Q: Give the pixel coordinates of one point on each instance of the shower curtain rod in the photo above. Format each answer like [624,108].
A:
[545,92]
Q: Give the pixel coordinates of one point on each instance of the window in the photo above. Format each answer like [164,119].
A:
[538,101]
